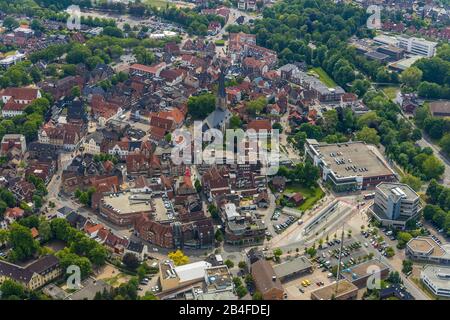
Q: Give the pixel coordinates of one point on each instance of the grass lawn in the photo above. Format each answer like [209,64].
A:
[324,77]
[311,195]
[157,3]
[391,92]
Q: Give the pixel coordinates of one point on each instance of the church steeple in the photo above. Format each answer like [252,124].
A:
[221,100]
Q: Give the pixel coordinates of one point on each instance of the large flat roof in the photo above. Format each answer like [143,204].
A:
[438,275]
[398,190]
[290,267]
[354,154]
[426,245]
[405,63]
[192,271]
[326,293]
[364,269]
[128,202]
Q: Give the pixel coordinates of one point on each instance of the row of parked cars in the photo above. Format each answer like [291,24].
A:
[436,239]
[389,233]
[379,245]
[168,206]
[346,250]
[280,227]
[330,243]
[276,215]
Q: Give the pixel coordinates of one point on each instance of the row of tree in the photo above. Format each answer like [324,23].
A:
[398,138]
[436,128]
[434,77]
[438,208]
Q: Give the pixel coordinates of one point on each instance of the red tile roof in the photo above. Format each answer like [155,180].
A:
[260,125]
[20,93]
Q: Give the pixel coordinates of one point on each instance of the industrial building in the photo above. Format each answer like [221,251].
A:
[349,166]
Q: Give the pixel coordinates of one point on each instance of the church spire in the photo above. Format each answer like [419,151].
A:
[221,100]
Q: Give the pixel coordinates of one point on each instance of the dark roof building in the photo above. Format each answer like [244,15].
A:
[34,275]
[266,280]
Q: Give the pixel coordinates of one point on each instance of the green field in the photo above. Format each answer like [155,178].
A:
[311,195]
[157,3]
[324,77]
[219,43]
[163,3]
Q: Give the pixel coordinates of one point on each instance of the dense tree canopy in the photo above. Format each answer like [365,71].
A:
[200,106]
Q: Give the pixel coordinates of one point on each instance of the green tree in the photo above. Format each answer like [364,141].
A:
[214,212]
[433,168]
[255,107]
[257,296]
[411,77]
[76,92]
[10,23]
[84,198]
[229,263]
[403,238]
[130,261]
[218,236]
[235,122]
[22,242]
[412,181]
[390,252]
[149,296]
[198,186]
[37,200]
[45,231]
[143,56]
[368,135]
[98,255]
[60,229]
[200,106]
[278,127]
[407,266]
[78,54]
[11,288]
[445,143]
[241,291]
[360,87]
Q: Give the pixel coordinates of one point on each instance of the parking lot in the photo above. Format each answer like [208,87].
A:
[163,208]
[281,221]
[150,282]
[327,257]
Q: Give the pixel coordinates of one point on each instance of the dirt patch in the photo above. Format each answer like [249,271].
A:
[111,275]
